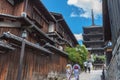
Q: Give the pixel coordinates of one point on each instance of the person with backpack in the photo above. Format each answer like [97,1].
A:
[76,71]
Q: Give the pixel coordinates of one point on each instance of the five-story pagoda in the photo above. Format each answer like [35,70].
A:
[93,39]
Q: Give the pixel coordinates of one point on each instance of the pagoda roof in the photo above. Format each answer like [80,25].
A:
[96,26]
[99,41]
[92,34]
[99,48]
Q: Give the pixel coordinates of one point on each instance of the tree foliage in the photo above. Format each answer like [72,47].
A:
[77,54]
[99,59]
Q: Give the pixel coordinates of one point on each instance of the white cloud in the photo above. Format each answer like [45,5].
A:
[86,6]
[78,36]
[73,14]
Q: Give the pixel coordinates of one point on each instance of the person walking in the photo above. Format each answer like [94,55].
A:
[76,70]
[68,71]
[89,65]
[85,66]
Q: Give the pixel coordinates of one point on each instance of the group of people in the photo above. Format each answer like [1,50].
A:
[75,70]
[87,66]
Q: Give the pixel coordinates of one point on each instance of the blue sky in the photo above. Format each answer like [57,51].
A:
[77,13]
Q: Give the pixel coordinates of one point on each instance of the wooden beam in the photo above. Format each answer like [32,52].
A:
[38,12]
[10,24]
[6,46]
[2,52]
[16,39]
[28,21]
[53,48]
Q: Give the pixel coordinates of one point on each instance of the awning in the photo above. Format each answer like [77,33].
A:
[18,41]
[5,46]
[54,49]
[28,23]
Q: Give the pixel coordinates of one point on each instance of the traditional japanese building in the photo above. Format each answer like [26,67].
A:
[32,40]
[93,38]
[111,20]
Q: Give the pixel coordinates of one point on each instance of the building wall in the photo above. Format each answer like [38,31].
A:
[18,9]
[113,69]
[114,11]
[35,64]
[7,8]
[9,65]
[35,15]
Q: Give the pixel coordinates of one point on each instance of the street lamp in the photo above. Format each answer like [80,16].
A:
[24,35]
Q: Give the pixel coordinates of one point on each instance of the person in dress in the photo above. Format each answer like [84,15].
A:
[68,71]
[76,71]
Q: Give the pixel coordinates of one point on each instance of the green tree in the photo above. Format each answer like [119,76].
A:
[99,59]
[77,54]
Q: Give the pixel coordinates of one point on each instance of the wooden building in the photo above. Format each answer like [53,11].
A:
[111,20]
[93,38]
[41,50]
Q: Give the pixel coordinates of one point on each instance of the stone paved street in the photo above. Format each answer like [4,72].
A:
[94,75]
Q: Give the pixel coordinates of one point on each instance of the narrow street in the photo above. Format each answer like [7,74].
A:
[94,75]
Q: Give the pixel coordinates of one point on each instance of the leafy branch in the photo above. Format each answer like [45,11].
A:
[77,54]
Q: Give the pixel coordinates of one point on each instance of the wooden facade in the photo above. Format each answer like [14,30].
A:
[43,52]
[93,39]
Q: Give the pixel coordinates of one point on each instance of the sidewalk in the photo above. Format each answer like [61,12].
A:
[94,75]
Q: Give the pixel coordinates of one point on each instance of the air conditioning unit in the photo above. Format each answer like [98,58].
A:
[24,14]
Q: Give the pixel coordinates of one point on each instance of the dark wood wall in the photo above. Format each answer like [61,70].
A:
[17,32]
[18,9]
[35,63]
[9,62]
[37,17]
[7,8]
[114,12]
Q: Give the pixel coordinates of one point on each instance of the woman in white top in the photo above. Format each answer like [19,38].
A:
[85,65]
[89,65]
[68,71]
